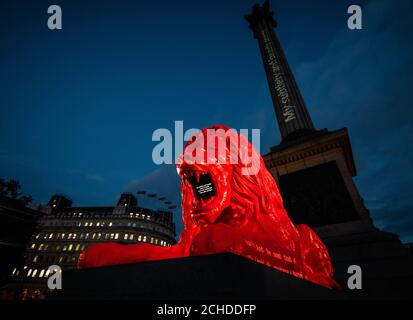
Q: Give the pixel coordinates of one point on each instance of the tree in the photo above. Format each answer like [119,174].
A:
[11,189]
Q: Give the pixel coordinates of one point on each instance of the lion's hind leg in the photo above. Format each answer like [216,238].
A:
[316,262]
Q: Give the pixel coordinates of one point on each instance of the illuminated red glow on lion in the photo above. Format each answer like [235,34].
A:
[229,205]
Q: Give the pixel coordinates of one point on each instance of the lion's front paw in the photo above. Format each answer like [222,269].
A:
[216,238]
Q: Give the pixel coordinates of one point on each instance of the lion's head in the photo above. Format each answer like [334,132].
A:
[224,179]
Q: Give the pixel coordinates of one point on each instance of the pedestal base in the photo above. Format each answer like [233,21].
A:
[387,267]
[217,277]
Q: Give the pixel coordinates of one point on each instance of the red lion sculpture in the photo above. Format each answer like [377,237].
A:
[229,206]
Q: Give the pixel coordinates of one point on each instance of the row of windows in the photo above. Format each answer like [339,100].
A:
[68,236]
[90,236]
[96,236]
[110,224]
[80,224]
[104,224]
[140,215]
[39,273]
[86,236]
[99,214]
[50,259]
[58,247]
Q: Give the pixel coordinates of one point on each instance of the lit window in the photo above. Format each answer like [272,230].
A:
[63,235]
[47,273]
[74,235]
[70,247]
[131,214]
[29,272]
[51,236]
[144,239]
[99,235]
[41,273]
[41,247]
[70,236]
[77,247]
[64,248]
[45,236]
[14,271]
[91,224]
[110,224]
[94,236]
[80,224]
[143,216]
[34,273]
[86,224]
[131,237]
[87,236]
[140,238]
[148,217]
[112,235]
[60,259]
[151,240]
[37,236]
[116,236]
[33,246]
[98,224]
[126,236]
[80,214]
[156,241]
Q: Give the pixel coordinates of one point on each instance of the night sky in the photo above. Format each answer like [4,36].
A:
[78,106]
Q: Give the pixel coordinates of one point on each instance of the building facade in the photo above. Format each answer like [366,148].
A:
[65,231]
[17,224]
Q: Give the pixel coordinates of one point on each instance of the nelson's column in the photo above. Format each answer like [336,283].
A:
[314,170]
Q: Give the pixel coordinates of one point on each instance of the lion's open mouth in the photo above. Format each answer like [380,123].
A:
[203,187]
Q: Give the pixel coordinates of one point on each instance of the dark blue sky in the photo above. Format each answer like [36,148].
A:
[78,106]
